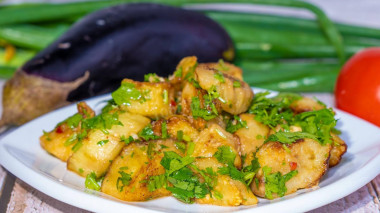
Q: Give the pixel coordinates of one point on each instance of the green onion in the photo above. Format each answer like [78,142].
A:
[31,36]
[289,23]
[7,72]
[20,57]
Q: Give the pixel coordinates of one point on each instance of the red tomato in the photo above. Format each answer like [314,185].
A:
[358,86]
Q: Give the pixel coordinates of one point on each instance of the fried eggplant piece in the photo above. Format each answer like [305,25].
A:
[227,192]
[135,165]
[226,68]
[176,124]
[145,98]
[307,156]
[252,137]
[235,95]
[58,141]
[306,104]
[339,147]
[213,137]
[100,148]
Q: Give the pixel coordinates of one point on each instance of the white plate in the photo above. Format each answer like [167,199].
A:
[21,154]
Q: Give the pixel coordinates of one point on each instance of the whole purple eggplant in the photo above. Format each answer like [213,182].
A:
[96,53]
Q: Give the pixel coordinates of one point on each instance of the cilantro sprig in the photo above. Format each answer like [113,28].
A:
[316,125]
[271,111]
[227,156]
[128,92]
[185,184]
[275,182]
[92,182]
[236,124]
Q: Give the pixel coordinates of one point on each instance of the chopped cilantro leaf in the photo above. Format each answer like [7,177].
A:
[46,134]
[231,127]
[190,148]
[214,94]
[156,182]
[199,112]
[77,146]
[173,162]
[74,120]
[179,109]
[128,140]
[289,137]
[180,146]
[150,150]
[236,84]
[71,140]
[319,123]
[102,122]
[110,106]
[91,182]
[164,130]
[271,111]
[148,134]
[222,65]
[250,171]
[165,96]
[275,182]
[185,184]
[217,195]
[123,180]
[151,77]
[102,142]
[178,72]
[219,76]
[225,155]
[128,92]
[179,135]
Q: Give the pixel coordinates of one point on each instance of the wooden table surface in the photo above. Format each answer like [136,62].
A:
[17,196]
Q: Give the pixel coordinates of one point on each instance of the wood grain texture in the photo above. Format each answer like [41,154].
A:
[3,174]
[24,198]
[360,201]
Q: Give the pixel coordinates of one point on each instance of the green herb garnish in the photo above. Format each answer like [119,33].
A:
[128,92]
[219,76]
[102,142]
[147,133]
[275,182]
[151,77]
[92,182]
[238,123]
[123,180]
[236,84]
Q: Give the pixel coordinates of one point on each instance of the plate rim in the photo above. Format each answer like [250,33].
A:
[44,183]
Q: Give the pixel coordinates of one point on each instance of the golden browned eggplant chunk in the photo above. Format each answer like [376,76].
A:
[306,104]
[308,157]
[127,178]
[213,137]
[235,95]
[226,68]
[252,137]
[145,98]
[58,142]
[100,148]
[339,147]
[227,192]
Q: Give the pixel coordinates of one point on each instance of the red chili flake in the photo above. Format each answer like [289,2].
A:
[293,165]
[59,129]
[173,103]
